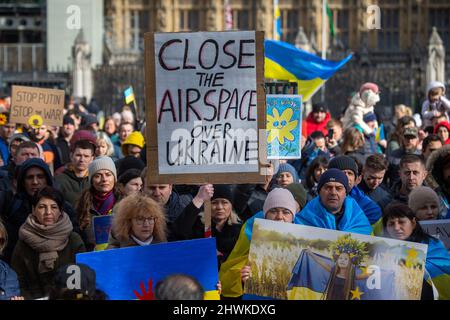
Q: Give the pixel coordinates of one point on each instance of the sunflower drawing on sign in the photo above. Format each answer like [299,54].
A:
[3,119]
[283,126]
[35,121]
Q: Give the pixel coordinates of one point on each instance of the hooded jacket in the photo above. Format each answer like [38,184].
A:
[354,114]
[312,125]
[71,186]
[20,207]
[428,109]
[443,124]
[435,179]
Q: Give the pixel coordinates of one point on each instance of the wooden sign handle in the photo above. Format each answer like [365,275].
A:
[207,216]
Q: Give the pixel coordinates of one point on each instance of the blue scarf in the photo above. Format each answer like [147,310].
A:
[353,219]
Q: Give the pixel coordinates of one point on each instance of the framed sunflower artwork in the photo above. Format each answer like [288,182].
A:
[283,126]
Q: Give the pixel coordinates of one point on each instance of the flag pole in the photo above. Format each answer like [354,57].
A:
[324,40]
[275,2]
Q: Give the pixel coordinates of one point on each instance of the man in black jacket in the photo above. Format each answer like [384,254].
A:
[373,174]
[412,175]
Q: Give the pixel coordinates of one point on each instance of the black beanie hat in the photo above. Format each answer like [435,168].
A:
[333,175]
[299,192]
[222,191]
[344,163]
[128,175]
[129,162]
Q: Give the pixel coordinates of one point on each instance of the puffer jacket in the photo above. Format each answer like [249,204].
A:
[435,179]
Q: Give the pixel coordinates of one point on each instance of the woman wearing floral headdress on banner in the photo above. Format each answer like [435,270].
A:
[347,255]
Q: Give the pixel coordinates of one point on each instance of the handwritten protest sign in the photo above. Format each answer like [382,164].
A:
[439,229]
[102,227]
[205,92]
[297,262]
[121,271]
[284,118]
[37,106]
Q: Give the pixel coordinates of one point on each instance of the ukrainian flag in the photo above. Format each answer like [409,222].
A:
[438,267]
[277,21]
[379,134]
[129,95]
[309,281]
[283,61]
[230,270]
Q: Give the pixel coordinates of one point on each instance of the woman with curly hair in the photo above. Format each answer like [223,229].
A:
[99,199]
[138,221]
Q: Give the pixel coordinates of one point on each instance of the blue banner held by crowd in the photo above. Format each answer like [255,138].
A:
[120,272]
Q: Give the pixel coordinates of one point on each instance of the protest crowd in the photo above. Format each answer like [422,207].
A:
[355,175]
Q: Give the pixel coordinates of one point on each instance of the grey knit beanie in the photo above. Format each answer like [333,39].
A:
[421,195]
[280,198]
[102,163]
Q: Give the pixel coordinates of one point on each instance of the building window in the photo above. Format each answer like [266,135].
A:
[189,20]
[140,24]
[440,18]
[341,27]
[289,25]
[241,19]
[388,36]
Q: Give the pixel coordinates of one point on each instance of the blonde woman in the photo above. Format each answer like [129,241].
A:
[104,145]
[138,221]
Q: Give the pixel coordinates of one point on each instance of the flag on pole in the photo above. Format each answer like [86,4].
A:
[276,21]
[129,95]
[228,16]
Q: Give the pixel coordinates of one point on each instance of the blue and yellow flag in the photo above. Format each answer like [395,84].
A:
[312,280]
[283,61]
[438,267]
[379,134]
[129,95]
[230,270]
[132,272]
[276,21]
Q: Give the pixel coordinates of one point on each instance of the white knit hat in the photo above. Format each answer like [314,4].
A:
[280,198]
[102,163]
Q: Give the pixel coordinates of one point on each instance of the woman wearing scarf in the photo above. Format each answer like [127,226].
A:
[46,242]
[98,200]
